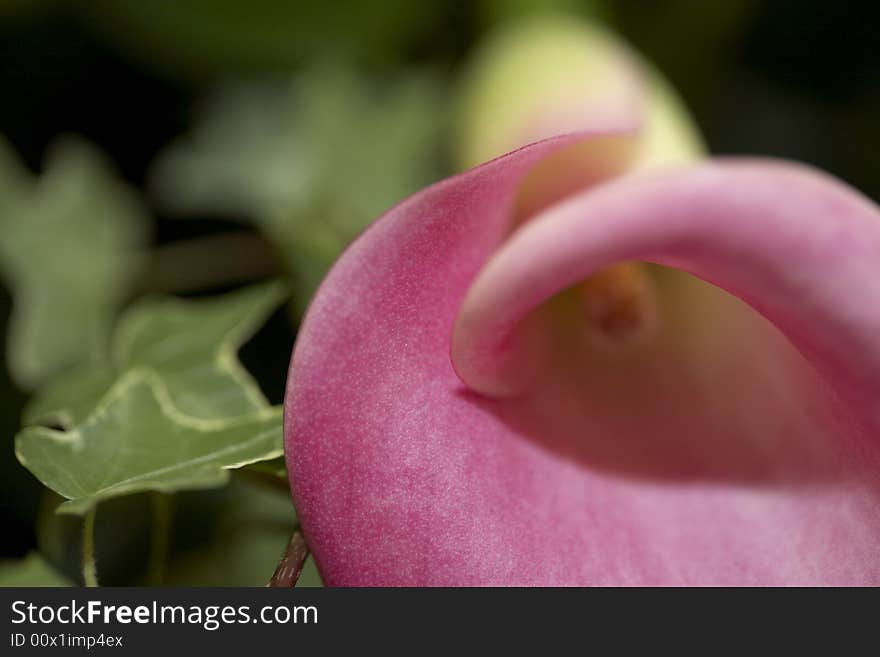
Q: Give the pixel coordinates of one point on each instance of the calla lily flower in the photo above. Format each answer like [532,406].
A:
[599,359]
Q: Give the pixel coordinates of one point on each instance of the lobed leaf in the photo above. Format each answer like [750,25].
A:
[137,439]
[190,345]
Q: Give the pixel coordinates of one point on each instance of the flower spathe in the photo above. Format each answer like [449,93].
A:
[481,394]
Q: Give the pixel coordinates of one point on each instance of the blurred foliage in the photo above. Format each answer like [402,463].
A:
[30,571]
[232,536]
[244,543]
[69,249]
[14,12]
[122,536]
[180,409]
[310,162]
[261,34]
[495,12]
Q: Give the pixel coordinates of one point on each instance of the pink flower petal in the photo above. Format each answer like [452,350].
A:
[723,453]
[799,246]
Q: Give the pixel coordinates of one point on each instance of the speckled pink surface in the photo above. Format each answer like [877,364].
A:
[742,448]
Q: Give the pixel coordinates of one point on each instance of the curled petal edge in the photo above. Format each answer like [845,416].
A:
[795,244]
[403,476]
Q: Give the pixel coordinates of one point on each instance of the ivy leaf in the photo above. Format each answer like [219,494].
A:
[69,397]
[311,162]
[173,410]
[190,345]
[30,571]
[138,440]
[69,249]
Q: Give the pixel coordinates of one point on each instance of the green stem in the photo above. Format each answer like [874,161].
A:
[160,537]
[89,566]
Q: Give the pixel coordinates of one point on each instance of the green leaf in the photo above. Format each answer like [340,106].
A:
[138,440]
[69,249]
[68,398]
[30,571]
[311,163]
[190,345]
[173,410]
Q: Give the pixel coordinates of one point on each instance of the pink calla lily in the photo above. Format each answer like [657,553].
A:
[485,395]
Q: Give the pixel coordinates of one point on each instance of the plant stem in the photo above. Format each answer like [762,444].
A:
[290,568]
[201,263]
[89,565]
[159,537]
